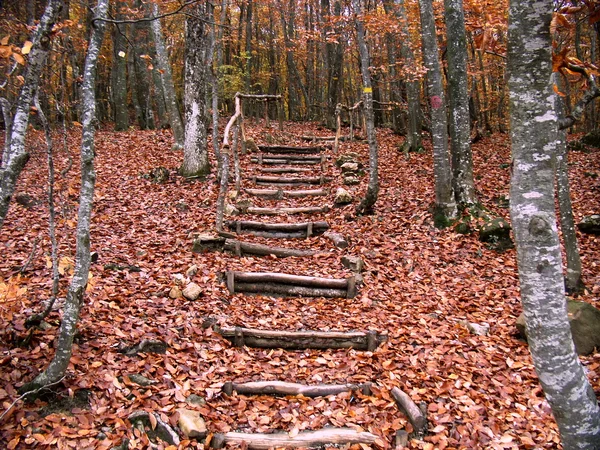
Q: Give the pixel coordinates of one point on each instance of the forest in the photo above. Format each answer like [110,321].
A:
[323,224]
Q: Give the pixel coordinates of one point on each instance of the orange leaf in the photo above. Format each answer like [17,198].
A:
[555,87]
[153,421]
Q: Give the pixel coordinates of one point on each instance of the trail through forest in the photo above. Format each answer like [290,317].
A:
[422,286]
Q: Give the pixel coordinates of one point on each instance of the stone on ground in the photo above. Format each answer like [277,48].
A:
[192,291]
[191,424]
[585,326]
[354,263]
[590,224]
[342,197]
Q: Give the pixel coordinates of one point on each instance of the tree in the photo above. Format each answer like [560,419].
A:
[162,60]
[15,157]
[196,85]
[534,139]
[458,86]
[74,301]
[445,205]
[368,202]
[119,73]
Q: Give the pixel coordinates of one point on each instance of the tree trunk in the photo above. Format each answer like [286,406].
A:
[119,73]
[141,89]
[334,60]
[162,59]
[445,206]
[534,139]
[367,204]
[196,84]
[460,129]
[58,367]
[15,157]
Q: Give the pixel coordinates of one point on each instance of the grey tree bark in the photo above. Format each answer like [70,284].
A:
[534,139]
[142,87]
[58,367]
[445,205]
[119,73]
[458,95]
[14,156]
[196,84]
[162,59]
[334,60]
[573,280]
[413,141]
[367,204]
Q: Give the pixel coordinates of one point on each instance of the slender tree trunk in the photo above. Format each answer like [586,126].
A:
[458,86]
[162,58]
[58,367]
[413,141]
[367,204]
[142,88]
[534,139]
[15,157]
[196,84]
[334,59]
[119,73]
[445,206]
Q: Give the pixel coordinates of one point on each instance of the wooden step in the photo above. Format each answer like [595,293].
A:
[305,439]
[288,159]
[279,194]
[290,149]
[282,211]
[285,170]
[299,340]
[278,230]
[283,284]
[206,243]
[294,181]
[284,388]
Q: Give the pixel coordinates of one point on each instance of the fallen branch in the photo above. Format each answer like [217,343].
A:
[327,436]
[283,388]
[412,411]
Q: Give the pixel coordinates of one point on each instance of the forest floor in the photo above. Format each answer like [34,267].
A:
[420,285]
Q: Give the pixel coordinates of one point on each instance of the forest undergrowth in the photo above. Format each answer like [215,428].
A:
[421,285]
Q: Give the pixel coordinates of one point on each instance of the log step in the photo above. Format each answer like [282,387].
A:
[278,230]
[284,388]
[281,211]
[290,285]
[300,340]
[306,439]
[262,180]
[280,161]
[285,170]
[279,194]
[290,149]
[205,244]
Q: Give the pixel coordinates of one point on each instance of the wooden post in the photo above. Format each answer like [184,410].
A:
[338,127]
[231,282]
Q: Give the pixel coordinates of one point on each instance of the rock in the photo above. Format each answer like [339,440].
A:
[175,292]
[193,270]
[354,263]
[351,180]
[349,167]
[590,224]
[243,205]
[192,291]
[342,197]
[592,139]
[232,195]
[496,232]
[195,400]
[348,157]
[478,329]
[158,175]
[191,424]
[179,279]
[230,210]
[146,346]
[585,326]
[251,145]
[206,242]
[140,379]
[25,200]
[154,428]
